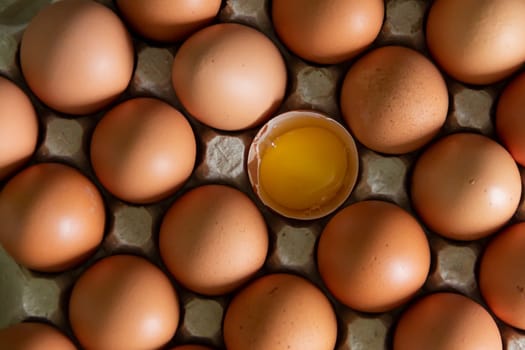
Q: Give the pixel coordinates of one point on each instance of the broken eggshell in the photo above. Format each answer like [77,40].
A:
[293,120]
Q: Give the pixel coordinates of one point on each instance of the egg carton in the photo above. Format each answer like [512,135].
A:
[221,159]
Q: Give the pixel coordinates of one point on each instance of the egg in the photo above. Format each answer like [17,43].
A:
[327,32]
[477,42]
[143,150]
[168,20]
[280,312]
[446,321]
[213,239]
[52,217]
[510,124]
[79,65]
[303,164]
[18,128]
[123,302]
[373,256]
[465,186]
[394,100]
[34,336]
[501,278]
[229,76]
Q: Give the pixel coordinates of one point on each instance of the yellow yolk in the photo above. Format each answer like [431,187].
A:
[303,168]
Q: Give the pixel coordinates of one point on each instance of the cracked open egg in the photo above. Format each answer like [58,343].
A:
[303,164]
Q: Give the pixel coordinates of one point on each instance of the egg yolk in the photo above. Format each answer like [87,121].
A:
[303,168]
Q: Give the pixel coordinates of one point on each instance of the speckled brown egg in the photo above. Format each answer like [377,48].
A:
[229,76]
[123,302]
[280,312]
[465,186]
[213,239]
[168,20]
[34,336]
[447,321]
[52,217]
[510,121]
[76,56]
[394,100]
[501,277]
[143,150]
[327,32]
[373,256]
[18,128]
[477,42]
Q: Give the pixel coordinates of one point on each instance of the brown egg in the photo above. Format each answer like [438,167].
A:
[52,217]
[447,321]
[394,100]
[373,256]
[191,347]
[465,186]
[477,42]
[78,65]
[123,302]
[143,150]
[229,76]
[327,32]
[510,123]
[34,336]
[168,20]
[501,277]
[280,312]
[213,239]
[18,128]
